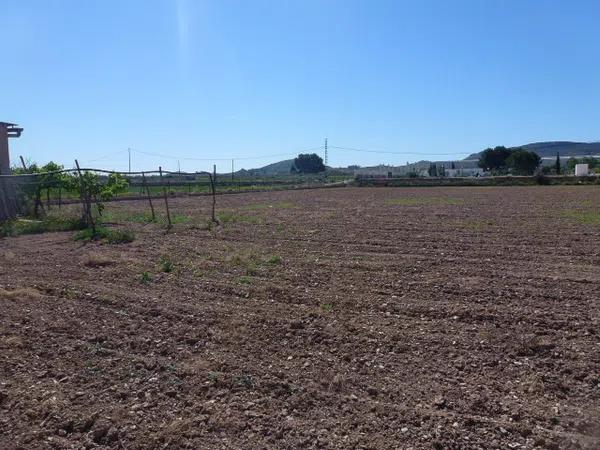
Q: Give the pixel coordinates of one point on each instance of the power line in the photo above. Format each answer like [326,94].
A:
[108,155]
[189,158]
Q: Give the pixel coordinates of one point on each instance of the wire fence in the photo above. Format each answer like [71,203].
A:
[32,193]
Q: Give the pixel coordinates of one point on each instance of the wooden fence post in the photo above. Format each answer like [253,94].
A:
[166,199]
[214,199]
[145,185]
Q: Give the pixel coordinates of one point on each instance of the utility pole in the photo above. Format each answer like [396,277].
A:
[129,154]
[326,159]
[232,170]
[178,167]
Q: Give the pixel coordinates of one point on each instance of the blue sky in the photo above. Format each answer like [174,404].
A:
[247,78]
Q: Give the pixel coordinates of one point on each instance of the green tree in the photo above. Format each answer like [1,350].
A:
[571,163]
[495,159]
[308,163]
[557,165]
[522,162]
[591,162]
[432,171]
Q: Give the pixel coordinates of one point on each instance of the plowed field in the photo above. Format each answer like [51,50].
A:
[334,318]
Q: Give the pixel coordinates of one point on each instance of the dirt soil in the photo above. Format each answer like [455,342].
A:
[367,318]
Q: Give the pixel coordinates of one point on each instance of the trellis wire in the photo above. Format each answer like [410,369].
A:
[14,199]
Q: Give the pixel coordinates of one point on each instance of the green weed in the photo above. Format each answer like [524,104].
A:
[327,307]
[166,264]
[146,277]
[244,280]
[105,234]
[274,259]
[226,217]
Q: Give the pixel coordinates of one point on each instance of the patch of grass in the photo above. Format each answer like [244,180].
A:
[274,259]
[180,218]
[280,227]
[146,277]
[144,217]
[423,201]
[584,217]
[105,234]
[327,307]
[251,219]
[226,217]
[47,224]
[166,264]
[244,280]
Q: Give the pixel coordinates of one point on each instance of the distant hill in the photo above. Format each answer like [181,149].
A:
[278,168]
[550,148]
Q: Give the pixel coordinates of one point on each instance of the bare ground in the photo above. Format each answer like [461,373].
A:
[337,318]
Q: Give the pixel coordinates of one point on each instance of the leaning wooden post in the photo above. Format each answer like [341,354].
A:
[166,199]
[145,186]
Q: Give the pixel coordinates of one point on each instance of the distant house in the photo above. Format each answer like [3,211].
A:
[465,172]
[421,169]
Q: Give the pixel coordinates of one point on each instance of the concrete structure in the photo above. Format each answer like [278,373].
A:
[581,170]
[8,203]
[7,130]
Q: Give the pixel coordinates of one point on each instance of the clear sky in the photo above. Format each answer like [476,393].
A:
[247,78]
